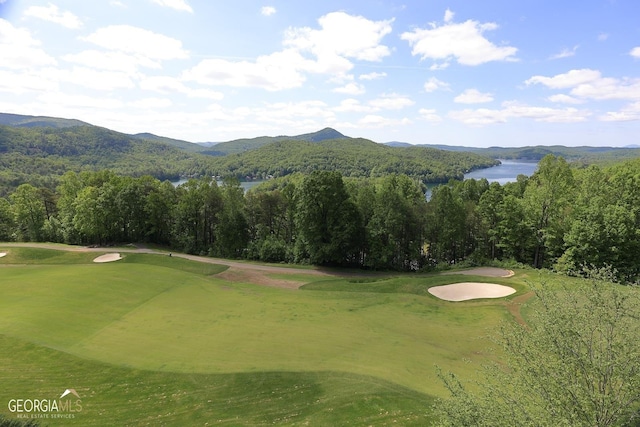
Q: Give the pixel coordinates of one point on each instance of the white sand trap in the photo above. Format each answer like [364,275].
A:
[470,290]
[3,254]
[108,258]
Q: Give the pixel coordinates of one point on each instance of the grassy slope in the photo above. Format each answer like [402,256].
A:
[185,337]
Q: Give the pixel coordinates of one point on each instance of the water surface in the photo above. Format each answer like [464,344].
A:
[506,172]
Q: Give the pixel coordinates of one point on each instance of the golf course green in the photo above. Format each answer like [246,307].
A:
[157,340]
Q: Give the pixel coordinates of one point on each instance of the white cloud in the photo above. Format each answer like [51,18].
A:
[19,50]
[23,82]
[150,103]
[138,41]
[95,79]
[114,61]
[181,5]
[430,115]
[352,105]
[434,84]
[169,85]
[629,113]
[565,99]
[464,42]
[71,102]
[51,13]
[589,84]
[268,10]
[278,71]
[301,116]
[603,36]
[565,53]
[350,89]
[609,88]
[391,101]
[385,102]
[375,121]
[473,96]
[635,52]
[448,16]
[512,110]
[372,76]
[569,79]
[341,36]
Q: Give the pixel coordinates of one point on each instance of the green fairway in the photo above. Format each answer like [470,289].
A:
[171,326]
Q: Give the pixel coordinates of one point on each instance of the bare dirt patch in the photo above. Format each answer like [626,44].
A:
[466,291]
[108,258]
[515,305]
[257,277]
[484,271]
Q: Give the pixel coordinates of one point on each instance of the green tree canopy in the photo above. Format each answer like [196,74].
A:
[575,363]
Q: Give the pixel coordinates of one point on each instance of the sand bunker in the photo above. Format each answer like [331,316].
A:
[470,290]
[108,258]
[3,254]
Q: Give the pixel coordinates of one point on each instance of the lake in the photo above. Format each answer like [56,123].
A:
[508,171]
[246,185]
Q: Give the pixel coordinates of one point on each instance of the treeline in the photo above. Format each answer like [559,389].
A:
[352,157]
[560,218]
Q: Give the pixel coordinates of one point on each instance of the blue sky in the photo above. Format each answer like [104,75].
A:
[474,73]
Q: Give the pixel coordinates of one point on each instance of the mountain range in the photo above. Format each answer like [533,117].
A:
[38,149]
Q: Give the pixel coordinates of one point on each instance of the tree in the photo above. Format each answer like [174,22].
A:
[488,209]
[159,207]
[446,225]
[576,363]
[7,224]
[89,219]
[232,232]
[68,189]
[197,213]
[329,224]
[547,195]
[30,213]
[396,227]
[604,227]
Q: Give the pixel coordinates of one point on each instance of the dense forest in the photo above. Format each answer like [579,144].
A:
[40,155]
[31,153]
[354,157]
[561,217]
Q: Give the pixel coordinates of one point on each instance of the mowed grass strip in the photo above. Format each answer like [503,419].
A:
[112,395]
[177,263]
[24,255]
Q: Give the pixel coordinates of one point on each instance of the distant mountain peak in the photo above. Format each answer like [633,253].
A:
[321,135]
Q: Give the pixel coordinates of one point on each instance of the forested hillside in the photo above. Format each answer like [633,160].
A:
[353,157]
[562,218]
[245,144]
[40,155]
[582,154]
[19,120]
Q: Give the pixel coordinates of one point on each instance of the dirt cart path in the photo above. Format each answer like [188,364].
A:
[230,263]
